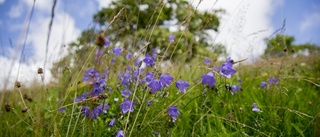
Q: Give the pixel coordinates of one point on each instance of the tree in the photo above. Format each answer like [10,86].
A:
[144,24]
[281,44]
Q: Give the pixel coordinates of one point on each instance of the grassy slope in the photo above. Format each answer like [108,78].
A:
[289,108]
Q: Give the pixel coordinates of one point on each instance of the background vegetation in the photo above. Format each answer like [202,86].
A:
[288,108]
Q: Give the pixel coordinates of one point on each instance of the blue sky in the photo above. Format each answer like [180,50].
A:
[302,20]
[243,28]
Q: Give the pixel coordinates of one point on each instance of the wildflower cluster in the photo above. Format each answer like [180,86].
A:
[136,74]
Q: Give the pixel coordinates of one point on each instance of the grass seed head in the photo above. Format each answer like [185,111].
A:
[7,107]
[18,84]
[24,110]
[40,71]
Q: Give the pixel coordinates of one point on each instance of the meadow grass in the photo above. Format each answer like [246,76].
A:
[288,108]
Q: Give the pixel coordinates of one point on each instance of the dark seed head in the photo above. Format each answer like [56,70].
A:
[103,96]
[285,49]
[24,110]
[40,70]
[94,99]
[7,107]
[100,41]
[18,84]
[30,99]
[83,102]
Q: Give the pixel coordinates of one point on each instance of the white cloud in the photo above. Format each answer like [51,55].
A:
[42,5]
[103,3]
[2,1]
[310,22]
[244,26]
[63,31]
[16,11]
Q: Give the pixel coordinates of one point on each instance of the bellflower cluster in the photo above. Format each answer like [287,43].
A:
[99,86]
[125,106]
[208,79]
[182,85]
[125,78]
[91,75]
[226,68]
[173,112]
[273,80]
[98,82]
[95,111]
[156,85]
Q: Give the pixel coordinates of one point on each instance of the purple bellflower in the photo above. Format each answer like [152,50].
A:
[149,77]
[171,38]
[155,86]
[117,51]
[208,79]
[207,61]
[273,80]
[63,109]
[165,80]
[125,93]
[263,84]
[95,111]
[112,122]
[137,63]
[113,60]
[182,85]
[83,96]
[129,56]
[149,60]
[255,108]
[148,103]
[154,52]
[173,112]
[120,133]
[107,42]
[226,68]
[127,106]
[234,89]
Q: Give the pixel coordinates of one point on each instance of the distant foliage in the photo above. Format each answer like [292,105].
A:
[283,44]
